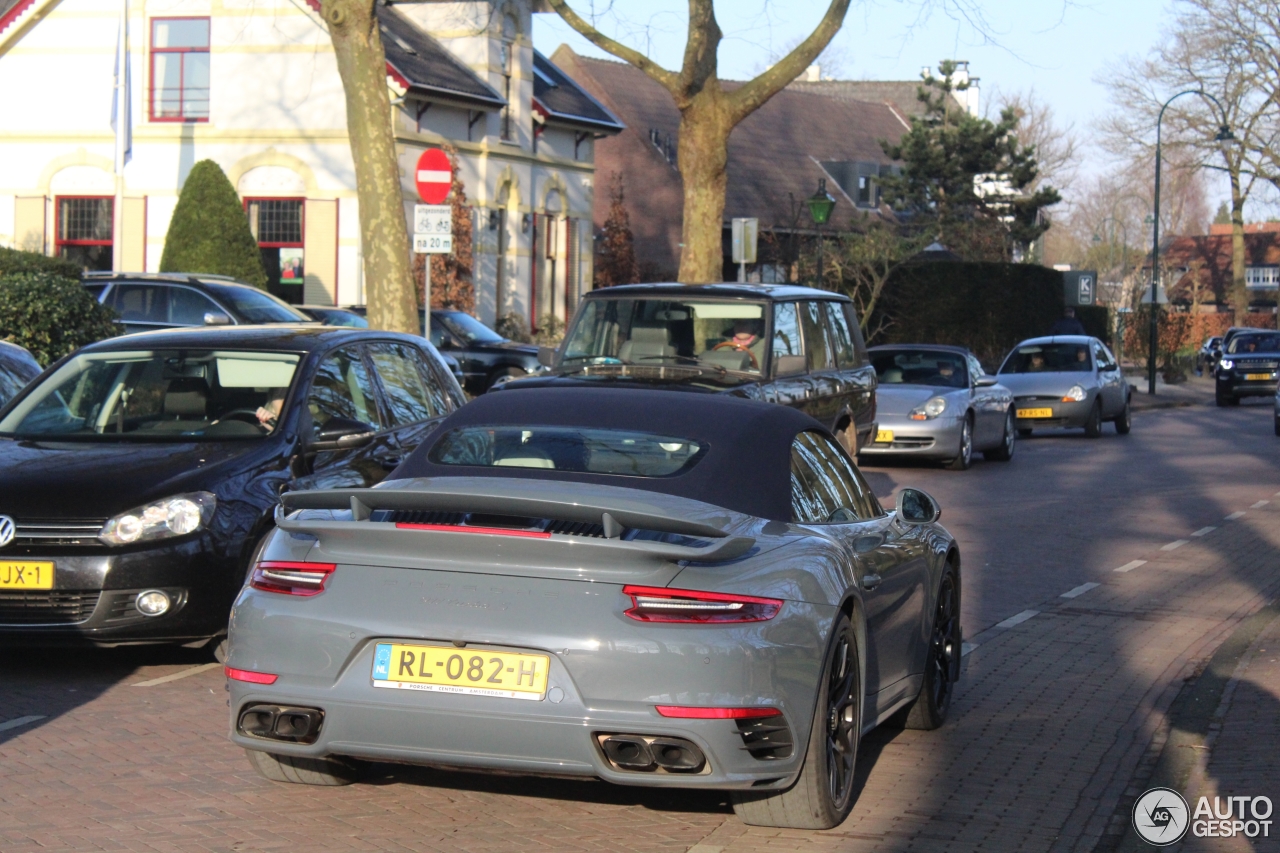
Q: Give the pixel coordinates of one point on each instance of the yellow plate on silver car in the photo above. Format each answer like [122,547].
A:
[1035,413]
[1257,377]
[26,574]
[884,436]
[449,669]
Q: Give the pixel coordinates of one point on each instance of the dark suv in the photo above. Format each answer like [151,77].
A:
[149,301]
[1247,367]
[778,343]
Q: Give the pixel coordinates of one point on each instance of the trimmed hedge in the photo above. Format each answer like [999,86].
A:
[209,231]
[14,261]
[987,307]
[51,315]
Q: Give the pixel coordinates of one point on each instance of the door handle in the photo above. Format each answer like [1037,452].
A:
[870,582]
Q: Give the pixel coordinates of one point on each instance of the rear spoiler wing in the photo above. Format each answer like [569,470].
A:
[612,518]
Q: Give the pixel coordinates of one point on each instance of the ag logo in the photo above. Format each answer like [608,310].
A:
[1160,817]
[6,530]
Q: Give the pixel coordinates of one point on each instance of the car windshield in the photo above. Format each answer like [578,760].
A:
[920,367]
[466,327]
[574,449]
[1246,343]
[256,306]
[157,395]
[719,334]
[338,317]
[1048,358]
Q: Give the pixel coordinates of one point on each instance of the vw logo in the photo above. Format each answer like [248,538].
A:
[6,530]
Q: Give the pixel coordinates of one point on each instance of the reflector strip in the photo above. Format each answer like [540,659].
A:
[249,676]
[457,528]
[694,713]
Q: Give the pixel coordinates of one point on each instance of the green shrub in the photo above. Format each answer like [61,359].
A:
[209,232]
[14,261]
[51,315]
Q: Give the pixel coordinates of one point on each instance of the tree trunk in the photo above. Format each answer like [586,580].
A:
[1239,290]
[703,154]
[384,234]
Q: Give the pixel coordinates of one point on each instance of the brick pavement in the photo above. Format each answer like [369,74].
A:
[1055,718]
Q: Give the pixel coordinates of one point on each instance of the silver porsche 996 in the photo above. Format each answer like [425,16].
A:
[649,587]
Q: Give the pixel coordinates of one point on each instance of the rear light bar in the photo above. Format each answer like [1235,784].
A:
[660,604]
[249,675]
[291,578]
[687,712]
[458,528]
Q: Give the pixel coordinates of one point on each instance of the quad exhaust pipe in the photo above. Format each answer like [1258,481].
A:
[651,753]
[281,723]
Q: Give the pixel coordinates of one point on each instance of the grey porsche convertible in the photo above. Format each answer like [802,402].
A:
[650,588]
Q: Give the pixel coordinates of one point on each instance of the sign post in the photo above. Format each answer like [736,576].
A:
[745,234]
[432,221]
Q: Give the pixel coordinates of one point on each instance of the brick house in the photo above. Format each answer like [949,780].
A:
[1202,266]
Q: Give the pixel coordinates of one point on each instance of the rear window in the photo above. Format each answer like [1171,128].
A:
[573,449]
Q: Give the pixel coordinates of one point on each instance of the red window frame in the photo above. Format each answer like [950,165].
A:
[58,240]
[302,220]
[182,85]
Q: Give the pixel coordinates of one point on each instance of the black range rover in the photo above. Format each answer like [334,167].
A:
[1248,367]
[785,344]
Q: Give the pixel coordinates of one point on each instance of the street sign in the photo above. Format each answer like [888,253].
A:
[432,244]
[745,233]
[432,219]
[1080,287]
[433,176]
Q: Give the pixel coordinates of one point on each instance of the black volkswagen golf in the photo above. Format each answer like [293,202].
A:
[138,476]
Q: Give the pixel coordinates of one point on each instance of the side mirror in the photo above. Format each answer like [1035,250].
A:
[917,507]
[342,434]
[547,356]
[985,381]
[789,365]
[216,318]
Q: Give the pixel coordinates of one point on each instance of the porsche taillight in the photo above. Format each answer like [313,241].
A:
[660,604]
[291,578]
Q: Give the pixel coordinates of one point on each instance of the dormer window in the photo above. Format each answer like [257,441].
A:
[179,69]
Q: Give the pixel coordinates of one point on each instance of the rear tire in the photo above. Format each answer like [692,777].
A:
[941,669]
[304,770]
[1093,426]
[823,795]
[964,458]
[1124,422]
[1008,443]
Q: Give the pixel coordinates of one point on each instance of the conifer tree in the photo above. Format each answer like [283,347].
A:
[209,232]
[616,261]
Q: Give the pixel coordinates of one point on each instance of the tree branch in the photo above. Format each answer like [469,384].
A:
[743,101]
[669,81]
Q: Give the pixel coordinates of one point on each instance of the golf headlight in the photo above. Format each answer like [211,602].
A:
[175,516]
[930,410]
[1075,395]
[1226,364]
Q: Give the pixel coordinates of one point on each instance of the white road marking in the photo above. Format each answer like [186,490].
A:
[1174,545]
[165,679]
[1234,516]
[1080,590]
[20,722]
[965,648]
[1130,566]
[1259,504]
[1017,619]
[1204,531]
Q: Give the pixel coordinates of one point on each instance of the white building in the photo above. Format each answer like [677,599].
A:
[253,85]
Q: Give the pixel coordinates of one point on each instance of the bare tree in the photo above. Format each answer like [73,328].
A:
[1057,147]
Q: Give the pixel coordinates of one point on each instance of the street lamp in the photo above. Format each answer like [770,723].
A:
[820,206]
[1224,135]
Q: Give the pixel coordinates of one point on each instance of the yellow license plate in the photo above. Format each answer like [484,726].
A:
[884,436]
[26,574]
[1035,413]
[1257,377]
[448,669]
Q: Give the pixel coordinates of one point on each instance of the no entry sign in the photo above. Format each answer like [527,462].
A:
[434,176]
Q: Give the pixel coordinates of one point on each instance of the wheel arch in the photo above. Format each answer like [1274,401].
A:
[852,607]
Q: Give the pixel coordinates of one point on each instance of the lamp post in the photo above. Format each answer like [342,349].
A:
[820,206]
[1224,135]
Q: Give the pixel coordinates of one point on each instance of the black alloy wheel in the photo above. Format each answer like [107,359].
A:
[942,667]
[1008,443]
[964,458]
[1093,426]
[1124,422]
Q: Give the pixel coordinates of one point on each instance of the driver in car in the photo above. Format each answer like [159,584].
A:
[747,337]
[269,411]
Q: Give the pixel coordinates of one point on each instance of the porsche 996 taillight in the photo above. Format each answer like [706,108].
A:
[291,578]
[659,604]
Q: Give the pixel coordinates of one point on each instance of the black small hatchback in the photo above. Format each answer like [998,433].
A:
[140,473]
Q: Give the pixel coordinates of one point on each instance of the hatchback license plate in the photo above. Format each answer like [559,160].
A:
[448,669]
[1257,377]
[26,574]
[1035,413]
[884,436]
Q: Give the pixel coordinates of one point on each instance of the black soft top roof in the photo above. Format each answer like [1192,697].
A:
[747,466]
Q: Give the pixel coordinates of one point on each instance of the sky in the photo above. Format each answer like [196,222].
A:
[1059,48]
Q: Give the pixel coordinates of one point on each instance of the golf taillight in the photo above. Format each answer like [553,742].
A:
[659,604]
[291,578]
